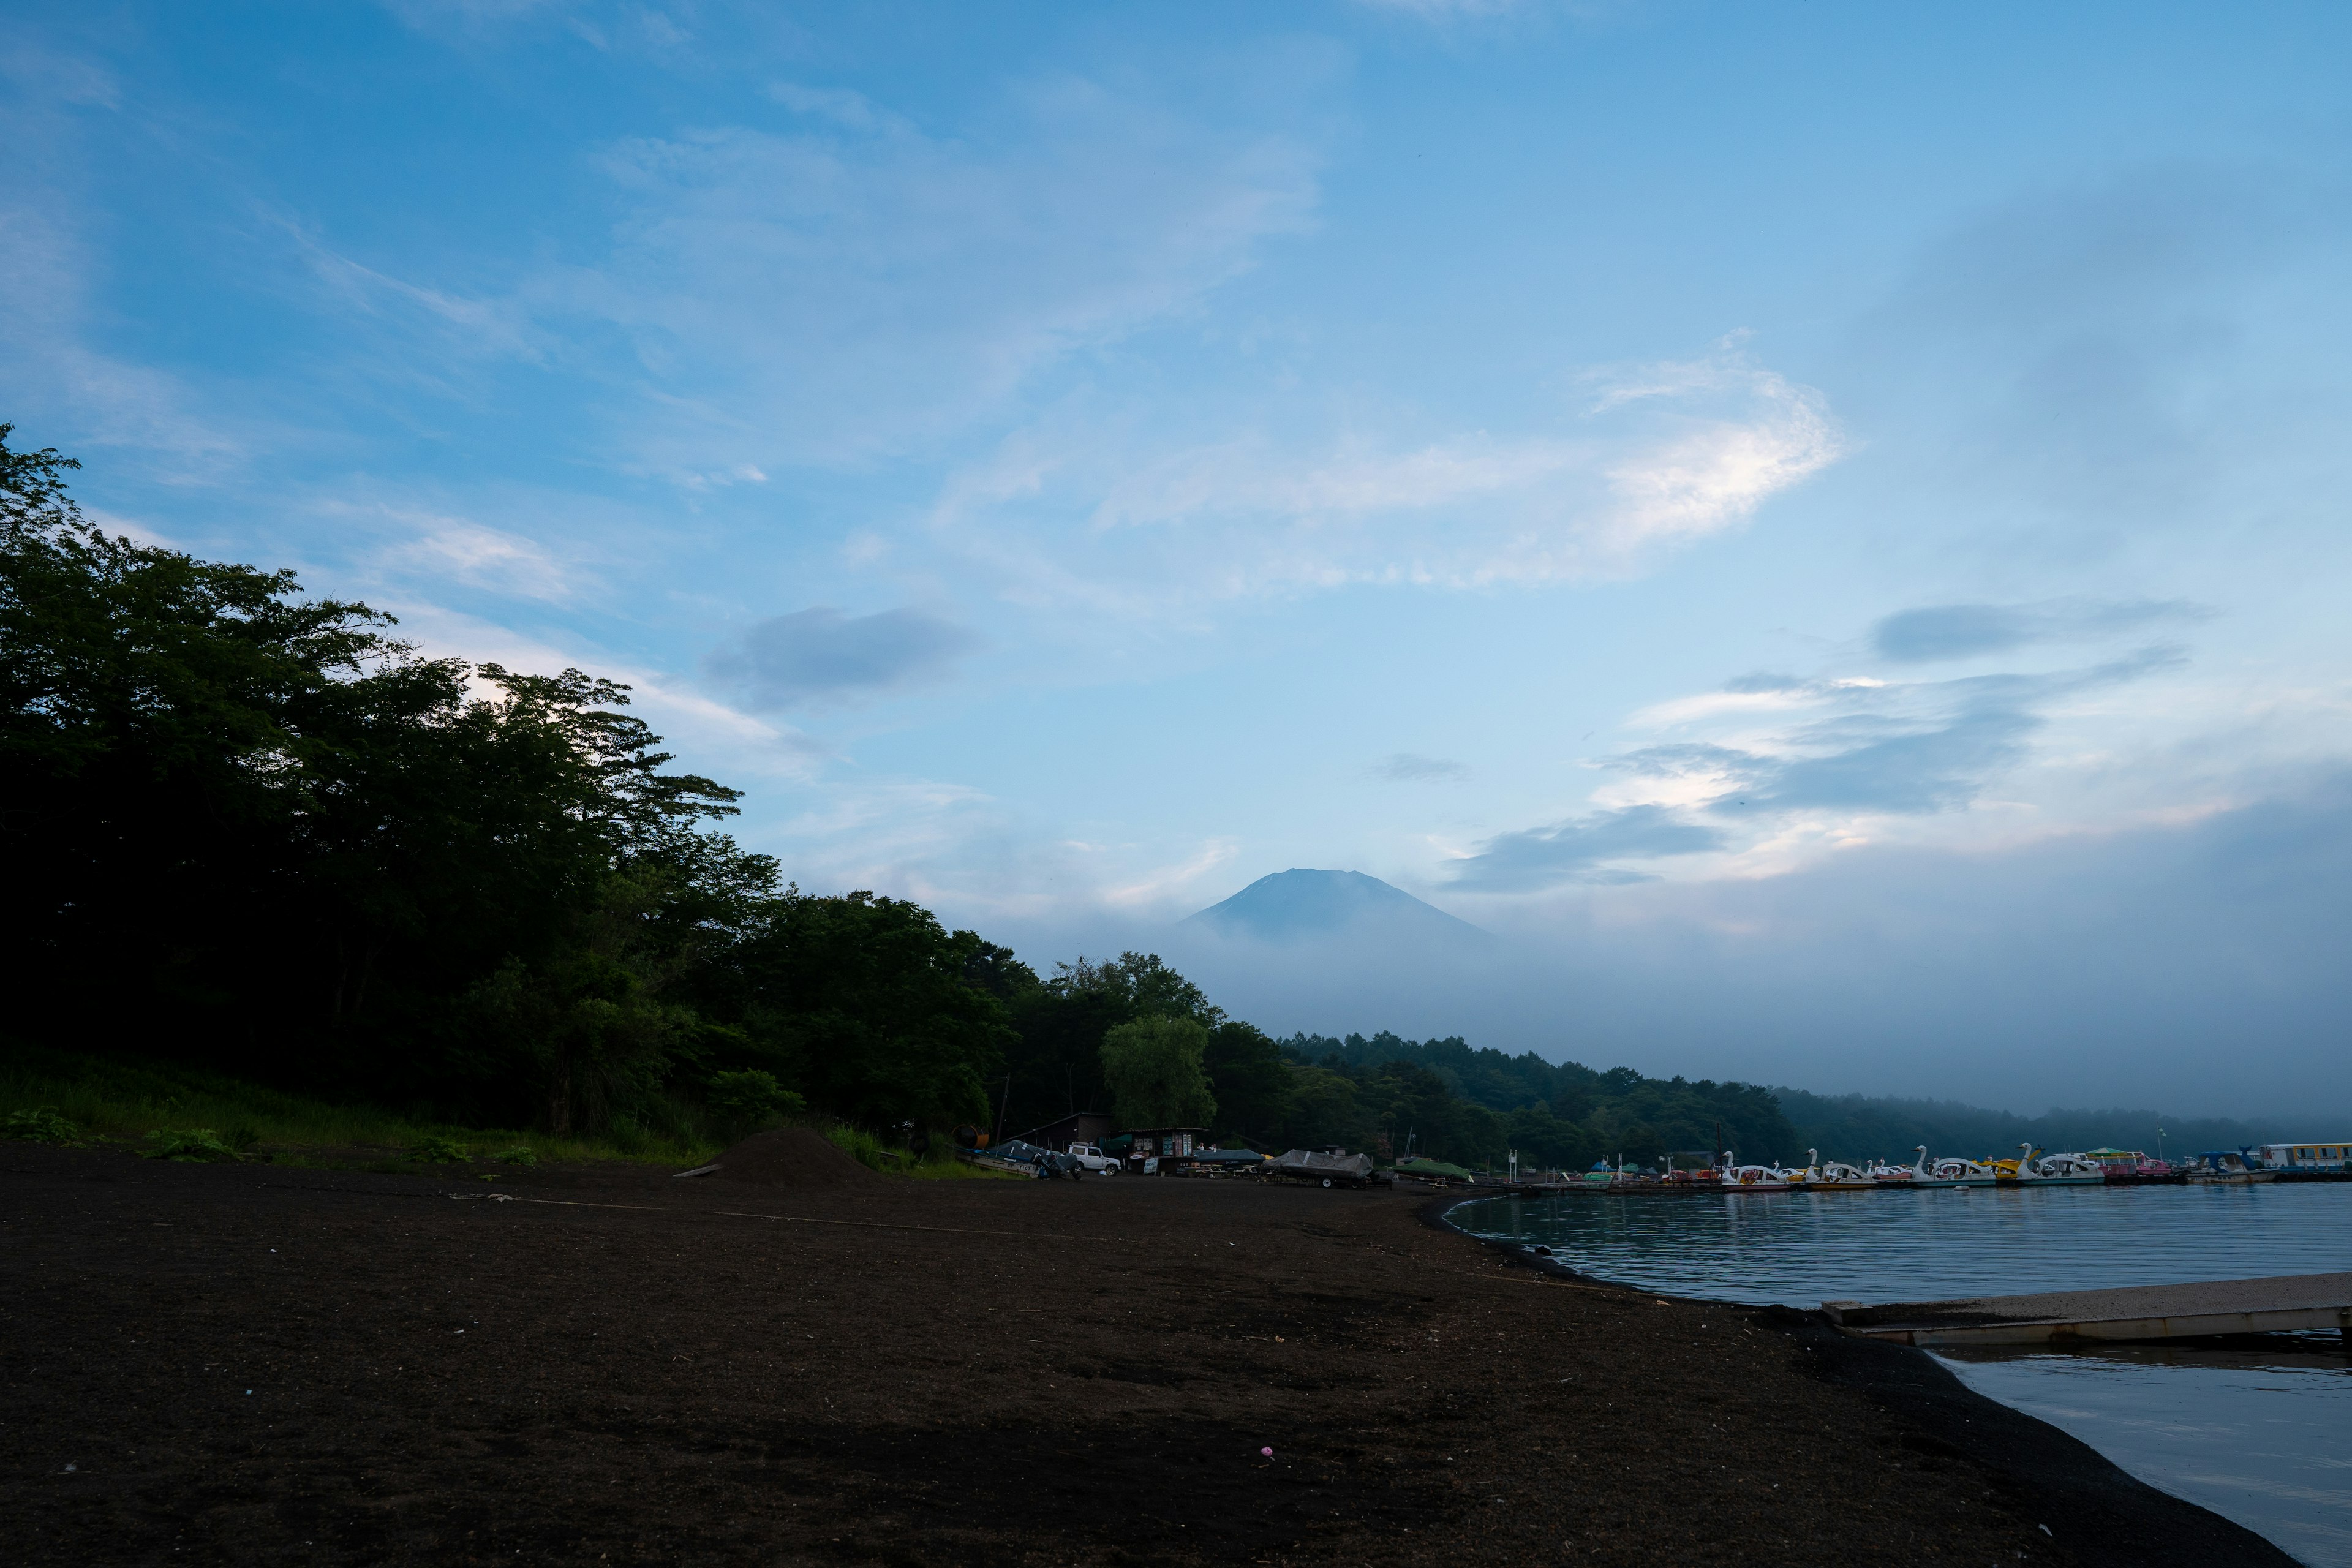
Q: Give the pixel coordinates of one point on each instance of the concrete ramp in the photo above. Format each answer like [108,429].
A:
[2275,1305]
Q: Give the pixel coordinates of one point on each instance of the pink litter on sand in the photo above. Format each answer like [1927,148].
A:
[1267,1452]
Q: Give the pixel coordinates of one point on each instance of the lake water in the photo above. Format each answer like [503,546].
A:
[2263,1437]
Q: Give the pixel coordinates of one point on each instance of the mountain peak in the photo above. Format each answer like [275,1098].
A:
[1301,903]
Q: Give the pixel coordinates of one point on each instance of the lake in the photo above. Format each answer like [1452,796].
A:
[2258,1435]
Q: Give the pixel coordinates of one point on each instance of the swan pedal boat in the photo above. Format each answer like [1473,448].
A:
[1739,1178]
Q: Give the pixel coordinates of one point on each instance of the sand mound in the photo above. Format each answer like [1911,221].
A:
[790,1157]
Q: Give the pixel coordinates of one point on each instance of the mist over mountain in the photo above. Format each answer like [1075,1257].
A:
[1304,905]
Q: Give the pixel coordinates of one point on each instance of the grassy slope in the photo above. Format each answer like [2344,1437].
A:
[126,1101]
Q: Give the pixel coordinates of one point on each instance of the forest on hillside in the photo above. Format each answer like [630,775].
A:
[1893,1128]
[253,830]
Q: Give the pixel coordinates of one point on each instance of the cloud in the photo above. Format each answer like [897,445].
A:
[1663,454]
[820,655]
[1580,849]
[1966,631]
[1877,748]
[486,557]
[856,287]
[48,334]
[1411,767]
[2094,366]
[42,73]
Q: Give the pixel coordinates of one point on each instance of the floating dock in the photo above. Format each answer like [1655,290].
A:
[2276,1305]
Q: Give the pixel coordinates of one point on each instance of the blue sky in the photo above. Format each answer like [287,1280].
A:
[1823,524]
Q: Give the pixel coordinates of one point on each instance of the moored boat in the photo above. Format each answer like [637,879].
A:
[2234,1167]
[2132,1167]
[1739,1178]
[1918,1175]
[1967,1172]
[1837,1176]
[2058,1170]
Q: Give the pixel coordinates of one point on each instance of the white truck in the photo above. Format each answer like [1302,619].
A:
[1096,1162]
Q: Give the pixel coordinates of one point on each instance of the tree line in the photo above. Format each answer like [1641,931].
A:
[255,830]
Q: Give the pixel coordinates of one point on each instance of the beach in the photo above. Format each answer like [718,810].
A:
[259,1363]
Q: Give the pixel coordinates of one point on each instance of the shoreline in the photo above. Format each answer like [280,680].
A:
[2043,1470]
[619,1367]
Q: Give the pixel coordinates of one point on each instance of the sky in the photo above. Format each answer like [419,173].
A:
[1822,526]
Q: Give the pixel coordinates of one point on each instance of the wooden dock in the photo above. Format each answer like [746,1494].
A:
[2288,1302]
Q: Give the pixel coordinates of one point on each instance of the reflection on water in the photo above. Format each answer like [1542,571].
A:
[1804,1248]
[2255,1434]
[2255,1431]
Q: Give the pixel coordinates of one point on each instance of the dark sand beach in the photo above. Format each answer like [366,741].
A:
[257,1363]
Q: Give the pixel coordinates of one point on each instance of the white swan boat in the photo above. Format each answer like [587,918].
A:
[1836,1176]
[1966,1173]
[2059,1170]
[1739,1178]
[1916,1175]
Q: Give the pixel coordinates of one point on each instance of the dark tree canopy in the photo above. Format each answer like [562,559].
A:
[254,830]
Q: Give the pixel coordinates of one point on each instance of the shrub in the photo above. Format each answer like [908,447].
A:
[431,1148]
[750,1095]
[40,1125]
[521,1154]
[862,1146]
[188,1143]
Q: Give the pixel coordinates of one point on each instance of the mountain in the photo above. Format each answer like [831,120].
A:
[1300,905]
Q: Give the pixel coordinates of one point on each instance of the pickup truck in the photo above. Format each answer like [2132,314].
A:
[1096,1162]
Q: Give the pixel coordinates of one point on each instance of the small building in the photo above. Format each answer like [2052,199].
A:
[1167,1142]
[1079,1126]
[2307,1156]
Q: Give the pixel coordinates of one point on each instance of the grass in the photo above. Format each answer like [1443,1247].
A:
[182,1112]
[131,1103]
[940,1166]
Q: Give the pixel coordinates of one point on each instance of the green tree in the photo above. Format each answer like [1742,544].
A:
[861,1003]
[1155,1069]
[1323,1113]
[272,836]
[1056,1064]
[1249,1080]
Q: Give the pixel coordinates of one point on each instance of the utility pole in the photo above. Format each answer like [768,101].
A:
[1000,1103]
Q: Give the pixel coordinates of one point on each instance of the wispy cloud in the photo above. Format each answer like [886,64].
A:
[1938,632]
[455,548]
[857,287]
[1412,767]
[822,655]
[1662,453]
[1779,762]
[54,358]
[1591,848]
[1856,747]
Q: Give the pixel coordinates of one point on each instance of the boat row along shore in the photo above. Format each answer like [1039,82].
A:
[2028,1167]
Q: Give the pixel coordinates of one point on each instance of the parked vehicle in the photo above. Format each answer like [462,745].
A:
[1096,1161]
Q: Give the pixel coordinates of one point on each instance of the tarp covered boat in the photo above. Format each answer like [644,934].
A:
[1331,1169]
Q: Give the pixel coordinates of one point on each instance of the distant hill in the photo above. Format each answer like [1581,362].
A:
[1300,905]
[1858,1126]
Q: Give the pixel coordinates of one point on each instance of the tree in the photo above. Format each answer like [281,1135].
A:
[1056,1063]
[861,1003]
[1249,1080]
[1155,1073]
[1322,1112]
[251,827]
